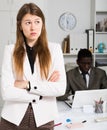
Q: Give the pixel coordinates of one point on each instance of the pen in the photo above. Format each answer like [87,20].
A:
[57,124]
[69,104]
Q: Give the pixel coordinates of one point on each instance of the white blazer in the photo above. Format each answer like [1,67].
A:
[17,100]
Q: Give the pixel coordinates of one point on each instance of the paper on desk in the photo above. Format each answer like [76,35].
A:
[74,125]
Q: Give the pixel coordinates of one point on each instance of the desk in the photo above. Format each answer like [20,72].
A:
[77,115]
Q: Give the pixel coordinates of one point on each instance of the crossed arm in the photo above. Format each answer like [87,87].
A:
[22,84]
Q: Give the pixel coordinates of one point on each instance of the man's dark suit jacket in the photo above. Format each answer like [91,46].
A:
[75,81]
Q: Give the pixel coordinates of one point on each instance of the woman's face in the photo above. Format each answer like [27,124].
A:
[31,26]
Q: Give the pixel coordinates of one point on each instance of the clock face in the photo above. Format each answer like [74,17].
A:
[67,21]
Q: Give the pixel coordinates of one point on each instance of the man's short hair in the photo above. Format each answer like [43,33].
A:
[84,53]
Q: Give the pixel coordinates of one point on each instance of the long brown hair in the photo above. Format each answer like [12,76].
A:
[42,43]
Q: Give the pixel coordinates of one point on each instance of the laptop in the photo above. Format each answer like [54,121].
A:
[88,97]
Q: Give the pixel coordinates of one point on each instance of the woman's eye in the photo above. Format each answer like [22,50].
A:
[37,22]
[28,23]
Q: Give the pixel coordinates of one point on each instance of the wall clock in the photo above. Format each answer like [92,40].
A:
[67,21]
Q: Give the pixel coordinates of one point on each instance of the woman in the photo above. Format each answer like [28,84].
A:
[32,76]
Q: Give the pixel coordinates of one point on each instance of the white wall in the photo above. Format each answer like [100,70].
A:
[81,10]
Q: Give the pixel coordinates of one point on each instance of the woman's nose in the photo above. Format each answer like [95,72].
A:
[32,26]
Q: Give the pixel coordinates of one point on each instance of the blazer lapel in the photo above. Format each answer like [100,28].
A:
[27,69]
[80,80]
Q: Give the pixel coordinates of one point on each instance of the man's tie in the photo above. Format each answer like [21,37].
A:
[84,77]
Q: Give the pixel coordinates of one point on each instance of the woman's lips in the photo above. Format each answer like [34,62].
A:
[33,34]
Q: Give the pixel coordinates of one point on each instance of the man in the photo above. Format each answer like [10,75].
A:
[84,76]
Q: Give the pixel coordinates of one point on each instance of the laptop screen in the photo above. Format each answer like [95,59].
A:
[88,97]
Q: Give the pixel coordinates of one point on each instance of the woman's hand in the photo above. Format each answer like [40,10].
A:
[21,84]
[54,76]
